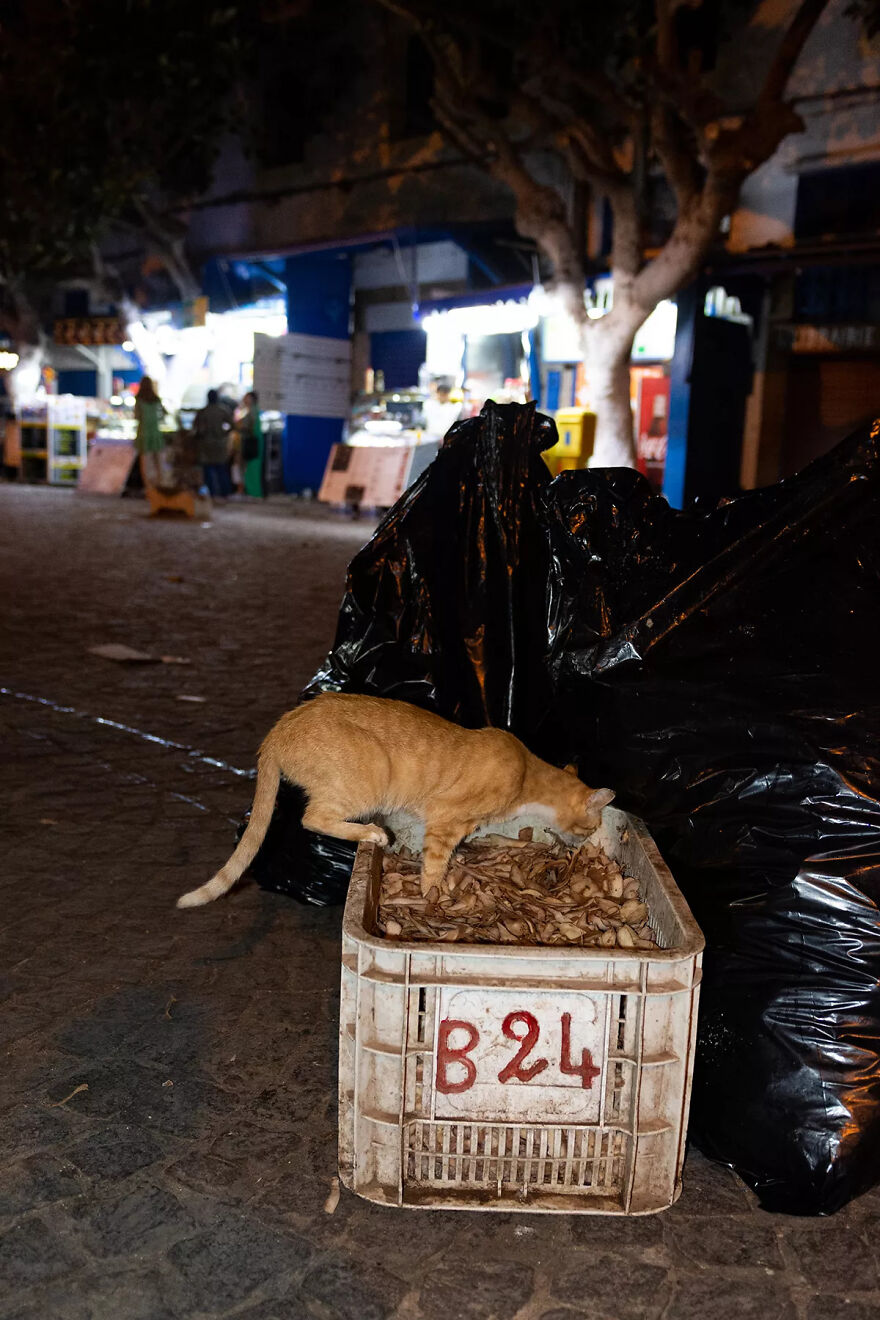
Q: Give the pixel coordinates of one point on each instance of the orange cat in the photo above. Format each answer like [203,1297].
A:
[358,756]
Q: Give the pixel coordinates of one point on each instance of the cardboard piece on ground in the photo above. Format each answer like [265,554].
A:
[374,477]
[128,655]
[107,469]
[124,654]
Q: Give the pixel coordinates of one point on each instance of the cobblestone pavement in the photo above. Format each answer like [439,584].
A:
[189,1178]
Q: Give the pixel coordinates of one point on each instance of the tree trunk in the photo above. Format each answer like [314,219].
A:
[20,320]
[144,342]
[607,350]
[24,379]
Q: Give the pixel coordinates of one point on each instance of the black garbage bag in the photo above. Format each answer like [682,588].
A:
[720,671]
[718,668]
[314,868]
[447,605]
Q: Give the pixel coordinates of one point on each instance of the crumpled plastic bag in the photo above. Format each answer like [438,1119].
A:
[718,667]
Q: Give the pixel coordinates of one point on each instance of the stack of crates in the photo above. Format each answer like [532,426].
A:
[483,1077]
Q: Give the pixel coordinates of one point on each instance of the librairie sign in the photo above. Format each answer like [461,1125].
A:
[828,338]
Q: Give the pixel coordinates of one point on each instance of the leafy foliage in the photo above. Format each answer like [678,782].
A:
[107,102]
[866,12]
[308,58]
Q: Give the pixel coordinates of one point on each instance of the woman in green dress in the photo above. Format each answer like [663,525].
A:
[149,441]
[251,445]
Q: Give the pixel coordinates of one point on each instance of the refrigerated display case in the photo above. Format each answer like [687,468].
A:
[54,438]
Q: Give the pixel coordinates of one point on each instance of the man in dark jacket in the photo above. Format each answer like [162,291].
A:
[212,428]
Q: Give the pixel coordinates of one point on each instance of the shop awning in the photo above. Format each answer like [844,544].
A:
[477,298]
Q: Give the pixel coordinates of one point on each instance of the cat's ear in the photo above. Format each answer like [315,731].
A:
[600,797]
[571,769]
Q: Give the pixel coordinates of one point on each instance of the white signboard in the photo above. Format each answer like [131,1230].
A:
[303,375]
[532,1056]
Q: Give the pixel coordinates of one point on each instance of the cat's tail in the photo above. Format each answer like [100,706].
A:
[268,778]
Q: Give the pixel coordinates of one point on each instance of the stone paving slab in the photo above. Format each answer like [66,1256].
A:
[189,1178]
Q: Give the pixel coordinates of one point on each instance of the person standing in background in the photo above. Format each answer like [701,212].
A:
[212,427]
[149,442]
[10,447]
[440,410]
[227,399]
[250,433]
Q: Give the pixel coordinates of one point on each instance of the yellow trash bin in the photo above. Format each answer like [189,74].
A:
[577,433]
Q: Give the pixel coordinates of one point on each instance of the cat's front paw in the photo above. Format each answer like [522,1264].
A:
[375,834]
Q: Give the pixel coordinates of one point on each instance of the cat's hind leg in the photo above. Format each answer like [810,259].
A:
[326,820]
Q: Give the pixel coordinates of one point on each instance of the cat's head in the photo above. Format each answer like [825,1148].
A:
[579,808]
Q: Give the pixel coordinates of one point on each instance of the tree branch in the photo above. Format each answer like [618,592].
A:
[540,214]
[667,45]
[406,12]
[790,49]
[626,240]
[457,134]
[547,60]
[677,156]
[596,156]
[19,317]
[683,253]
[734,152]
[540,210]
[169,245]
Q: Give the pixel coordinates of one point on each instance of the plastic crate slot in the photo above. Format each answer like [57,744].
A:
[606,1163]
[617,1089]
[443,1168]
[621,1022]
[516,1159]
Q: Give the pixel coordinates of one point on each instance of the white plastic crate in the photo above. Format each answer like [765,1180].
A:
[482,1077]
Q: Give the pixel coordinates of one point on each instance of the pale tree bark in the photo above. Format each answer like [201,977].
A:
[609,340]
[607,351]
[606,342]
[540,214]
[706,185]
[704,154]
[21,321]
[109,283]
[168,240]
[25,376]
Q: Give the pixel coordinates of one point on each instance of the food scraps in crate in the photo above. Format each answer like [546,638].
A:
[514,891]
